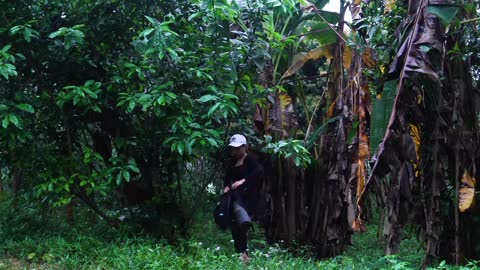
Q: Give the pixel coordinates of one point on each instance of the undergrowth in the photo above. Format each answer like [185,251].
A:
[28,241]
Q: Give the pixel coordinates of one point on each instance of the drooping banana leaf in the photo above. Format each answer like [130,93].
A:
[412,60]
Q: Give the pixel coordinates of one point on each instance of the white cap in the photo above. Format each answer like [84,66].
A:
[237,140]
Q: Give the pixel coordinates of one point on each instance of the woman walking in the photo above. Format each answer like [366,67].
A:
[242,179]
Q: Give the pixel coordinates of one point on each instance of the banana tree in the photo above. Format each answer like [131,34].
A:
[278,116]
[425,163]
[315,206]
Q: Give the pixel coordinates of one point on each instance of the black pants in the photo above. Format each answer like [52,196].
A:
[239,235]
[239,229]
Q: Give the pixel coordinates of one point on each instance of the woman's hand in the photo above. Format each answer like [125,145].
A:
[226,189]
[238,183]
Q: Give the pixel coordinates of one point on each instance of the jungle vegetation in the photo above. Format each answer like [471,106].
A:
[117,113]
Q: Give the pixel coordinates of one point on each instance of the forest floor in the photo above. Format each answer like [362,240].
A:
[207,248]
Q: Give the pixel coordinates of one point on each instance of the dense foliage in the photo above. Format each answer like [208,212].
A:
[121,110]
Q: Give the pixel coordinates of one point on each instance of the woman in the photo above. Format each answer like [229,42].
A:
[242,178]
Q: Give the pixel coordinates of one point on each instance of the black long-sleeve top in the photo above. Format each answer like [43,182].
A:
[251,171]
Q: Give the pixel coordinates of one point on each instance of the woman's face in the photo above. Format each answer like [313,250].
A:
[237,152]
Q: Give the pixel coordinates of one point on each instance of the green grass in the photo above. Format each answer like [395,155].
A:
[28,241]
[207,249]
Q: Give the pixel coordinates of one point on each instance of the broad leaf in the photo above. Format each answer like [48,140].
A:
[5,122]
[14,120]
[445,13]
[25,107]
[381,111]
[321,33]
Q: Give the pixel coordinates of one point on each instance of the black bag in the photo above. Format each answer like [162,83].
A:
[222,213]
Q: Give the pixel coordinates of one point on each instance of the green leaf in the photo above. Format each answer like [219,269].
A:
[161,100]
[3,107]
[15,29]
[172,95]
[6,48]
[445,13]
[14,120]
[4,73]
[96,108]
[196,134]
[5,122]
[78,26]
[213,109]
[126,175]
[59,32]
[131,106]
[134,168]
[152,20]
[322,33]
[207,98]
[212,142]
[147,32]
[194,15]
[25,107]
[469,7]
[230,96]
[119,179]
[381,111]
[180,148]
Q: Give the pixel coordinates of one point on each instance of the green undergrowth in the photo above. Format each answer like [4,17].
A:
[29,242]
[207,249]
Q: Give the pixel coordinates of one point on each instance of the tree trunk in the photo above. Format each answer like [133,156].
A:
[457,215]
[179,182]
[91,203]
[292,202]
[69,213]
[16,185]
[68,131]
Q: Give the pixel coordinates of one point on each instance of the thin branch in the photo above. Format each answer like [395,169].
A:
[310,33]
[309,78]
[470,20]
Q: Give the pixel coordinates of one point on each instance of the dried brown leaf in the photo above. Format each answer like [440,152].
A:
[331,109]
[327,51]
[390,5]
[368,58]
[361,179]
[466,193]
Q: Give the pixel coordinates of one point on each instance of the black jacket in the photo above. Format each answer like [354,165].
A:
[251,171]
